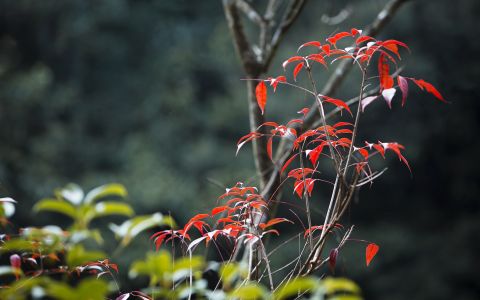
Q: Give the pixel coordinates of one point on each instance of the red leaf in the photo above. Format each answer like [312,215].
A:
[380,149]
[334,39]
[269,148]
[291,59]
[326,49]
[298,188]
[274,81]
[370,252]
[318,58]
[299,185]
[287,163]
[363,152]
[312,43]
[314,154]
[261,94]
[395,147]
[403,84]
[429,88]
[273,222]
[341,124]
[199,217]
[355,31]
[338,103]
[363,39]
[388,44]
[333,259]
[226,220]
[219,209]
[297,69]
[304,111]
[386,81]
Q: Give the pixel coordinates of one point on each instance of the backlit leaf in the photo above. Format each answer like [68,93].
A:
[316,44]
[292,59]
[370,252]
[297,69]
[386,81]
[261,94]
[62,207]
[429,88]
[338,103]
[107,190]
[403,84]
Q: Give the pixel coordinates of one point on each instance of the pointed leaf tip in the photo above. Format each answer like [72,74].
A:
[403,84]
[388,96]
[261,94]
[370,252]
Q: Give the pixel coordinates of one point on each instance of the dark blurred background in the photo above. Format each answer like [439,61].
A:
[148,93]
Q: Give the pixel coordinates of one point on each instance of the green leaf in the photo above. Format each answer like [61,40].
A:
[230,272]
[346,297]
[250,291]
[17,245]
[112,208]
[336,285]
[72,192]
[295,287]
[131,228]
[157,265]
[58,206]
[184,263]
[78,256]
[88,289]
[107,190]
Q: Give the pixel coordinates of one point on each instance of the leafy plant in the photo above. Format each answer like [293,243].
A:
[244,217]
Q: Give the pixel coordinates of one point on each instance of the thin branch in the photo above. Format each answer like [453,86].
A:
[250,12]
[288,19]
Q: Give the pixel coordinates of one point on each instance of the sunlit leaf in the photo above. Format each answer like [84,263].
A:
[107,190]
[295,287]
[261,95]
[112,208]
[58,206]
[78,256]
[250,291]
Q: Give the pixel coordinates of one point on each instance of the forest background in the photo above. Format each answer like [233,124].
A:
[148,94]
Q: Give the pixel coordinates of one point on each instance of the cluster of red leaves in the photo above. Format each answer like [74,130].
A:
[233,220]
[361,50]
[244,204]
